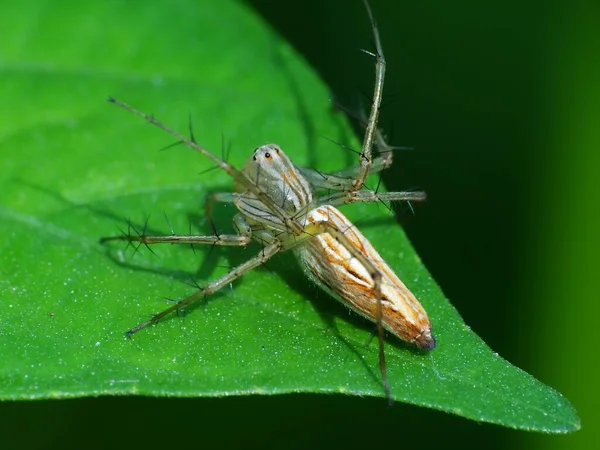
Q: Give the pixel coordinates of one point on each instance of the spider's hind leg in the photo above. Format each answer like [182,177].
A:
[263,256]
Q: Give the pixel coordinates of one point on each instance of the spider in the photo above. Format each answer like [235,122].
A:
[279,207]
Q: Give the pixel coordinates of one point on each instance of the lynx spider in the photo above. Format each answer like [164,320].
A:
[278,207]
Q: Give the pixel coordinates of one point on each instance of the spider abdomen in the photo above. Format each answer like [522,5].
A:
[327,261]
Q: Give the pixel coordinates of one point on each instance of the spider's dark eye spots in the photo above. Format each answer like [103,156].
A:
[277,150]
[254,157]
[268,155]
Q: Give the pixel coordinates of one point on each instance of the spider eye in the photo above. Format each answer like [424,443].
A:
[254,157]
[268,155]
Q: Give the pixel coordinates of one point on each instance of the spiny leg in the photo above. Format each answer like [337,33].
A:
[344,198]
[379,163]
[263,256]
[343,180]
[354,178]
[380,143]
[371,130]
[235,240]
[239,240]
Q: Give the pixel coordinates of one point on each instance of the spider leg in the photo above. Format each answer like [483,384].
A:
[344,180]
[371,130]
[344,198]
[263,256]
[242,239]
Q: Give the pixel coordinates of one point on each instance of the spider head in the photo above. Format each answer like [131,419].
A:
[274,173]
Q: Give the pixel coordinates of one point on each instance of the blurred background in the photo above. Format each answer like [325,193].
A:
[501,102]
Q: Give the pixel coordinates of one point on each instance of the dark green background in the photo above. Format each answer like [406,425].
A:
[500,101]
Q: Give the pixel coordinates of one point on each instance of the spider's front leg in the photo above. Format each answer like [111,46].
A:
[344,198]
[345,179]
[371,131]
[342,180]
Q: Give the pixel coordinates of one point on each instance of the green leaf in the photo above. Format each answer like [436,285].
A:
[75,168]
